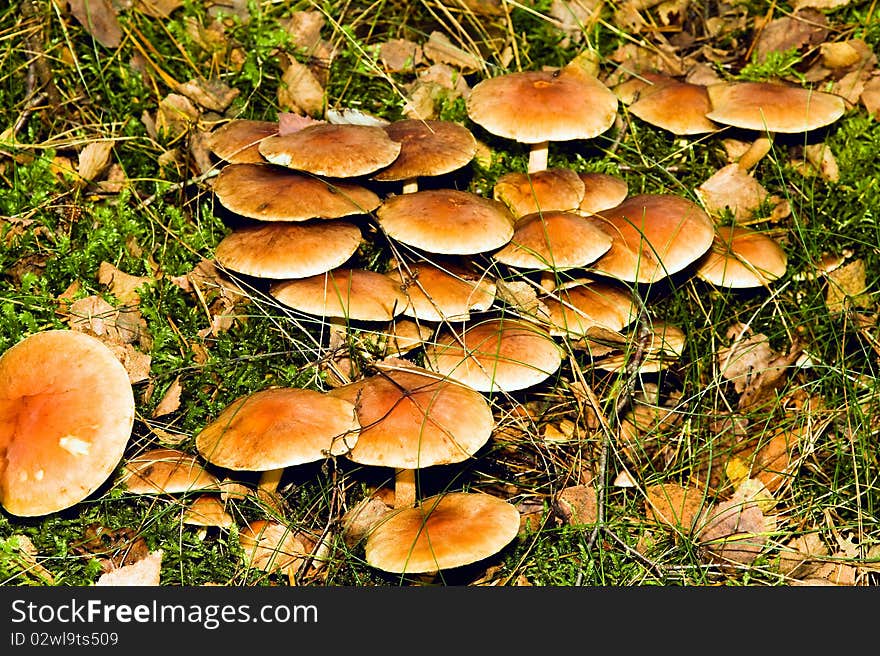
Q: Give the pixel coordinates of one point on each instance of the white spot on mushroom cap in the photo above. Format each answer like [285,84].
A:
[74,445]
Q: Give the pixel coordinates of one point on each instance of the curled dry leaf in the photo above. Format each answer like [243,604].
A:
[360,519]
[123,286]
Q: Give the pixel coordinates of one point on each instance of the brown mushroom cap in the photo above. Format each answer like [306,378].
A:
[335,150]
[428,147]
[355,294]
[741,257]
[442,532]
[238,141]
[277,428]
[270,193]
[679,107]
[66,413]
[442,292]
[772,106]
[411,418]
[165,471]
[537,106]
[496,355]
[653,236]
[545,190]
[577,307]
[446,221]
[207,510]
[554,241]
[288,249]
[602,191]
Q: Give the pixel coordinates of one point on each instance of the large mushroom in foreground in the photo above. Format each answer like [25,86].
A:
[66,414]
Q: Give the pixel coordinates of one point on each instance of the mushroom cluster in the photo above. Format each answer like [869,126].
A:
[587,249]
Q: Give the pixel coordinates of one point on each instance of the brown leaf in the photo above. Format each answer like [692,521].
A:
[99,19]
[304,29]
[440,50]
[577,505]
[209,94]
[847,287]
[94,159]
[171,401]
[94,315]
[300,91]
[136,363]
[400,55]
[790,32]
[675,506]
[870,96]
[176,116]
[734,532]
[123,286]
[732,188]
[158,8]
[361,518]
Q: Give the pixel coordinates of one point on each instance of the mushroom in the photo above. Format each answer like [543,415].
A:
[446,221]
[442,532]
[442,292]
[554,241]
[412,418]
[653,236]
[550,189]
[238,141]
[537,107]
[66,414]
[334,150]
[344,294]
[290,249]
[741,257]
[270,193]
[427,148]
[275,428]
[579,306]
[676,106]
[769,108]
[602,191]
[500,354]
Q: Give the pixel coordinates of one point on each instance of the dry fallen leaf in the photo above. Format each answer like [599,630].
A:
[847,287]
[577,505]
[734,189]
[400,55]
[734,532]
[123,286]
[171,401]
[142,572]
[300,91]
[94,159]
[99,19]
[675,506]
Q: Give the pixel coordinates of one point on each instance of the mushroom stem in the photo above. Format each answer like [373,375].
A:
[270,479]
[410,186]
[538,156]
[404,488]
[756,151]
